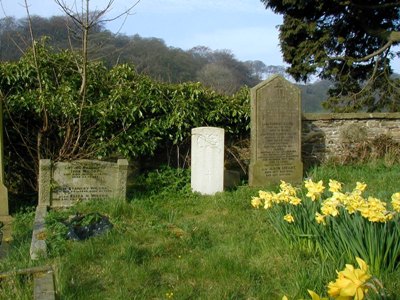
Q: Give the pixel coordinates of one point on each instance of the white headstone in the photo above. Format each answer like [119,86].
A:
[207,167]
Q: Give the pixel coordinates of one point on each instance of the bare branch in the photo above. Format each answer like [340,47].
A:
[125,12]
[365,58]
[373,6]
[68,11]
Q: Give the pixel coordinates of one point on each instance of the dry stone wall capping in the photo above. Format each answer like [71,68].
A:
[61,184]
[323,135]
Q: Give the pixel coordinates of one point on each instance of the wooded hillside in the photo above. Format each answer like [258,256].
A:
[216,69]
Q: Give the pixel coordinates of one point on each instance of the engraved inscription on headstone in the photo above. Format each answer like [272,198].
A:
[207,162]
[275,133]
[65,183]
[3,190]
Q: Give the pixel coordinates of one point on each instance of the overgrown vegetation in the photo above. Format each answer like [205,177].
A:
[357,147]
[168,241]
[124,114]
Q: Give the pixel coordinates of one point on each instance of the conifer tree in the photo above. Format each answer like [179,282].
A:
[351,42]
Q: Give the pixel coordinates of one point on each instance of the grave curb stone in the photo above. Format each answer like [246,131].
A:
[38,244]
[43,286]
[45,171]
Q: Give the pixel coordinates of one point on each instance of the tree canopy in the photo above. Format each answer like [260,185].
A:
[350,42]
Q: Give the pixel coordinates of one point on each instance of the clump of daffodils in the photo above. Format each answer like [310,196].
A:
[287,194]
[351,283]
[372,209]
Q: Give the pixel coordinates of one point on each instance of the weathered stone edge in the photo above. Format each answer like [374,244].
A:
[44,286]
[344,116]
[38,244]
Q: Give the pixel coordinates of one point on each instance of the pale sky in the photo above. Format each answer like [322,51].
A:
[243,26]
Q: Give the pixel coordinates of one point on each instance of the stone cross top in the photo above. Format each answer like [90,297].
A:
[3,189]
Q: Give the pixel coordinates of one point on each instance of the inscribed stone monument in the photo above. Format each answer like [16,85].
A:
[65,183]
[207,163]
[3,190]
[275,151]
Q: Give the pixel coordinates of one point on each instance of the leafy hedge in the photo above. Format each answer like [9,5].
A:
[121,114]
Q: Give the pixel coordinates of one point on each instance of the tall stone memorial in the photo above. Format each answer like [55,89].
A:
[3,190]
[275,151]
[207,162]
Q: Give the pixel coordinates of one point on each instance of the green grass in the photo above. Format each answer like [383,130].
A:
[168,240]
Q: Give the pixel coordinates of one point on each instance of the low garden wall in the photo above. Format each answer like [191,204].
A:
[328,136]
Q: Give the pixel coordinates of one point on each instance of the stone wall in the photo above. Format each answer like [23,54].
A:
[324,135]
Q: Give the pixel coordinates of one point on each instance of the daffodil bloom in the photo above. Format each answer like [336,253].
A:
[294,200]
[287,188]
[282,197]
[360,187]
[263,195]
[353,202]
[267,204]
[315,189]
[267,196]
[396,202]
[350,283]
[329,207]
[320,218]
[256,202]
[288,218]
[374,210]
[315,296]
[285,297]
[334,186]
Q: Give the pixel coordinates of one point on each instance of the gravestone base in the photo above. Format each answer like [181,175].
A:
[3,200]
[263,173]
[6,235]
[231,179]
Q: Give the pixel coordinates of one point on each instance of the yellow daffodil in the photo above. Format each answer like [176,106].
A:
[330,207]
[282,197]
[267,204]
[353,202]
[320,218]
[334,186]
[315,296]
[288,218]
[396,202]
[264,195]
[315,189]
[256,202]
[360,187]
[287,188]
[285,297]
[267,196]
[374,210]
[350,283]
[294,200]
